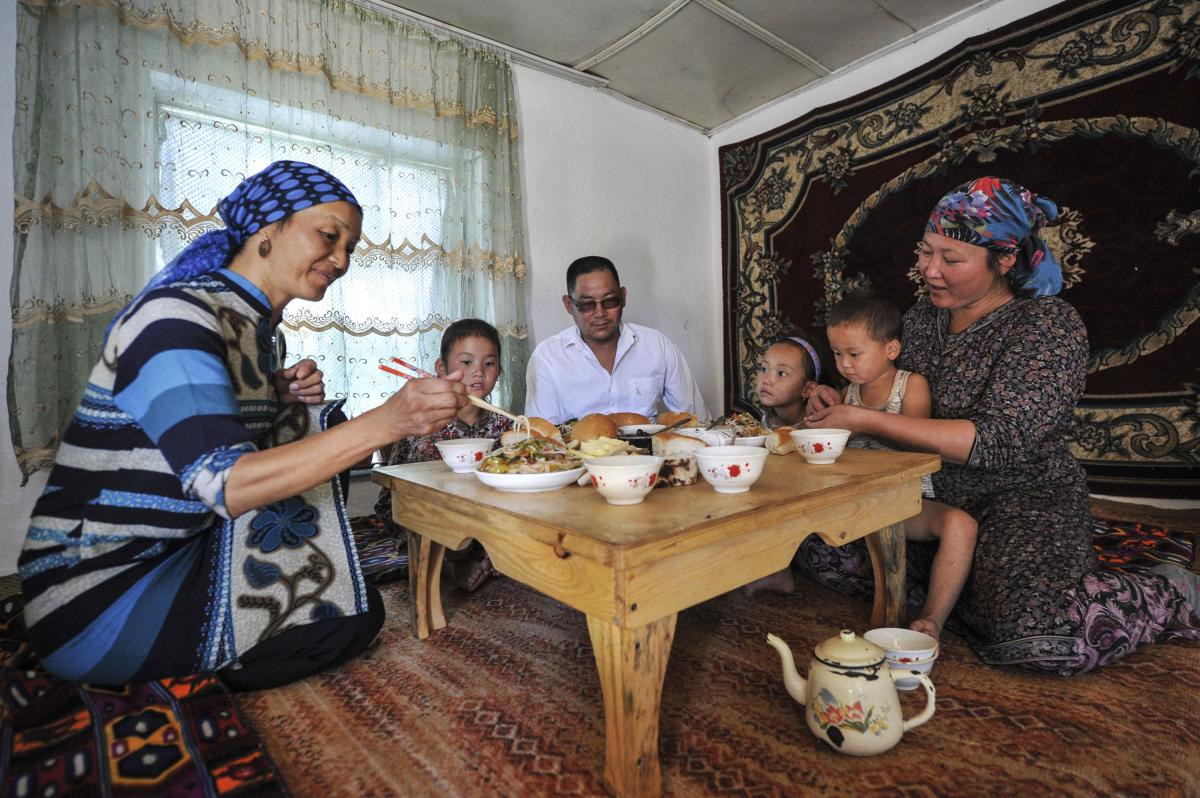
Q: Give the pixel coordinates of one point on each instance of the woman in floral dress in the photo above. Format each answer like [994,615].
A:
[1005,360]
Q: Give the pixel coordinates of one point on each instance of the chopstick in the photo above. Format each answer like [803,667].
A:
[390,370]
[486,405]
[420,372]
[475,400]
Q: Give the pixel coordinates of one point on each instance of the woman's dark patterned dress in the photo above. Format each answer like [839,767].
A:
[1034,596]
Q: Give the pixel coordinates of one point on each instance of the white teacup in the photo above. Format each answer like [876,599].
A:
[820,446]
[906,650]
[624,479]
[465,454]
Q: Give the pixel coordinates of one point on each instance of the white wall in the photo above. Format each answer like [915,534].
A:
[603,177]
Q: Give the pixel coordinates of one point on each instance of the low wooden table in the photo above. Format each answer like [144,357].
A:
[630,570]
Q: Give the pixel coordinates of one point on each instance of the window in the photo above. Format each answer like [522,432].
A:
[387,304]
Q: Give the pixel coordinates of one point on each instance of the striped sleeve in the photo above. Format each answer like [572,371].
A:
[171,378]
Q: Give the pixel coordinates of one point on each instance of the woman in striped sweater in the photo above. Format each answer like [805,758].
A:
[193,520]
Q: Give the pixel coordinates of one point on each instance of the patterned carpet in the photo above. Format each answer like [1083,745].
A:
[178,737]
[1093,103]
[506,701]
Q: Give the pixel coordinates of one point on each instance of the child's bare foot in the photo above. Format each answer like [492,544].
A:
[929,626]
[778,582]
[470,573]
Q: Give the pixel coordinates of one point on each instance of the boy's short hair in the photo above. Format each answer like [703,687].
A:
[880,316]
[466,328]
[586,265]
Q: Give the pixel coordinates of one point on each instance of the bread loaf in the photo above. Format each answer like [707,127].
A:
[628,419]
[679,462]
[670,418]
[779,441]
[593,425]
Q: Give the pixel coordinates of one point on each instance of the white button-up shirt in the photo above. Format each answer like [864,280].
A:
[565,380]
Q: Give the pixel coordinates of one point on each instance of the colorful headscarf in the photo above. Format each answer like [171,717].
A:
[1000,215]
[278,191]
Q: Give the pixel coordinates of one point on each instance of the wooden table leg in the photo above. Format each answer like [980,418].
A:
[887,561]
[425,584]
[632,664]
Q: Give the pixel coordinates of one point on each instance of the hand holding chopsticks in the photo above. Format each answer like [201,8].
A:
[419,372]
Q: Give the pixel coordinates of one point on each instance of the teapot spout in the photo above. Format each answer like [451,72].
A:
[796,686]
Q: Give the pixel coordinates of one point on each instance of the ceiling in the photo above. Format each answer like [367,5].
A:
[705,62]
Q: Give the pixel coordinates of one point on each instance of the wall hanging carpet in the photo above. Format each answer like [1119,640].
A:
[1093,104]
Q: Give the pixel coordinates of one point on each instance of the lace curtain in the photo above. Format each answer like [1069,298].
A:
[134,117]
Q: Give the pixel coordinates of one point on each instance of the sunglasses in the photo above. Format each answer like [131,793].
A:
[588,305]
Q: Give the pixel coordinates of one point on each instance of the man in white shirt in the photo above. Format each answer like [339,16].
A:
[600,365]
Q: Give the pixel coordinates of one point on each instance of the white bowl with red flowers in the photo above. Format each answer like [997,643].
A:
[624,479]
[464,454]
[731,469]
[820,446]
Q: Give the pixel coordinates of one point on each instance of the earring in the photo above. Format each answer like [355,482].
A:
[264,247]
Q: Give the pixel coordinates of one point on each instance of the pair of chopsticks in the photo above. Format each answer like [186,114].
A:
[416,370]
[420,372]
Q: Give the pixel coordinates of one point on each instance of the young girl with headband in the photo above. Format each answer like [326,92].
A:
[787,373]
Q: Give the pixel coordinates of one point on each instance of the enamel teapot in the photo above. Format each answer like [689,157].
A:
[850,699]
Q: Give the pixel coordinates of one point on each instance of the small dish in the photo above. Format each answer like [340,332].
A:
[731,469]
[820,446]
[529,483]
[640,430]
[717,436]
[464,454]
[751,440]
[624,479]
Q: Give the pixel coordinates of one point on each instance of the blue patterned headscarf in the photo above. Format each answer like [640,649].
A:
[276,192]
[1002,216]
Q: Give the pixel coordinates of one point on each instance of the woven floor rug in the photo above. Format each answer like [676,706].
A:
[176,737]
[1093,103]
[506,702]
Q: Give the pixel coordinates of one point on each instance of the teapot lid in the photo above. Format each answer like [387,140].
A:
[848,650]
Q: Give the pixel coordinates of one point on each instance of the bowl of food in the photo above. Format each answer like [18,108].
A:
[731,469]
[464,454]
[906,650]
[530,466]
[747,430]
[820,446]
[624,479]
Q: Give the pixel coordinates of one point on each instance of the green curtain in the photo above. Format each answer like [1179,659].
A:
[134,117]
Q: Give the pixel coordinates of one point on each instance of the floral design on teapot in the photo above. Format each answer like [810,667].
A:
[833,715]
